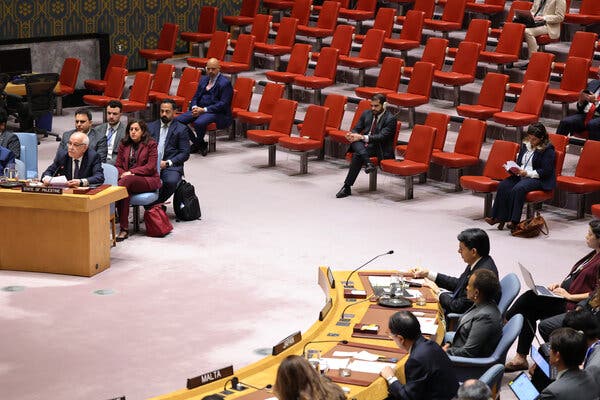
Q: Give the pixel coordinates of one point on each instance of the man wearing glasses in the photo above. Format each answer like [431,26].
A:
[83,123]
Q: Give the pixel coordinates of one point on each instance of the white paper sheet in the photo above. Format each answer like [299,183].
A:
[428,325]
[372,367]
[336,363]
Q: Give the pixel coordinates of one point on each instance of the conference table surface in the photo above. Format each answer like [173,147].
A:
[359,385]
[19,89]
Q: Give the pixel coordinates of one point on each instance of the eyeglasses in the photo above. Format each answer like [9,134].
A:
[75,144]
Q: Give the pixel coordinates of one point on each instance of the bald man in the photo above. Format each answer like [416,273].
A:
[211,103]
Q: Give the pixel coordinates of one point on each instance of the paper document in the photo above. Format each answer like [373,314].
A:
[428,325]
[371,367]
[359,355]
[512,167]
[336,363]
[60,180]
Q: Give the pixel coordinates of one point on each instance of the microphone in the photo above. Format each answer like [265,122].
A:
[321,341]
[349,284]
[342,317]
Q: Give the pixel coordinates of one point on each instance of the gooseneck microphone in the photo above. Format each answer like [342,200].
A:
[321,341]
[347,283]
[343,318]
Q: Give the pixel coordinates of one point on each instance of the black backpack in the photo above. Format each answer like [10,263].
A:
[185,202]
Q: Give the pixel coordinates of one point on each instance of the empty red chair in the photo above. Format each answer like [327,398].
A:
[587,176]
[260,29]
[508,48]
[490,100]
[416,160]
[241,58]
[369,54]
[388,79]
[463,69]
[538,69]
[279,126]
[165,47]
[438,121]
[341,40]
[279,5]
[242,97]
[246,16]
[477,32]
[68,81]
[114,88]
[300,11]
[410,36]
[487,7]
[296,66]
[452,18]
[325,23]
[161,84]
[207,24]
[493,173]
[311,136]
[284,41]
[426,6]
[98,85]
[418,91]
[384,20]
[324,74]
[589,13]
[528,107]
[573,81]
[339,135]
[535,198]
[466,150]
[582,45]
[190,76]
[364,10]
[216,49]
[515,5]
[263,115]
[138,98]
[336,103]
[434,52]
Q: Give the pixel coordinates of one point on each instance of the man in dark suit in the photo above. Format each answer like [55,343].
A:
[7,138]
[173,148]
[588,114]
[7,157]
[474,248]
[113,130]
[373,136]
[428,370]
[83,123]
[211,103]
[79,164]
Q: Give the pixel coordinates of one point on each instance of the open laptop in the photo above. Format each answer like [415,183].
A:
[537,289]
[523,388]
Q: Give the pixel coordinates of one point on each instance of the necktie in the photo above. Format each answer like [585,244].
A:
[111,131]
[540,8]
[589,352]
[211,83]
[161,141]
[76,171]
[590,114]
[373,125]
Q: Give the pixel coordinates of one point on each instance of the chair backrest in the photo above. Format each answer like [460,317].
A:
[559,141]
[558,162]
[261,27]
[470,137]
[116,60]
[539,67]
[21,170]
[575,76]
[336,104]
[454,11]
[298,61]
[271,94]
[510,286]
[218,45]
[244,49]
[493,90]
[587,167]
[168,37]
[517,5]
[384,20]
[465,61]
[188,76]
[589,7]
[421,79]
[141,87]
[440,122]
[188,91]
[40,92]
[420,144]
[435,52]
[163,78]
[300,11]
[427,6]
[328,15]
[243,96]
[478,31]
[286,35]
[69,74]
[371,47]
[390,73]
[366,5]
[327,63]
[111,174]
[510,39]
[493,378]
[501,152]
[115,83]
[532,98]
[314,122]
[412,29]
[29,153]
[510,331]
[249,8]
[342,39]
[363,105]
[583,45]
[207,20]
[283,116]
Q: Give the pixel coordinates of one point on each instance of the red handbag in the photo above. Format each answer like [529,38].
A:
[157,222]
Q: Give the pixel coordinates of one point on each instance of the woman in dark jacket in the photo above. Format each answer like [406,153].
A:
[137,160]
[535,172]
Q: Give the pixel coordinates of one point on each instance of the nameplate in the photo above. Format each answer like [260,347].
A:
[41,189]
[330,278]
[209,377]
[325,310]
[287,342]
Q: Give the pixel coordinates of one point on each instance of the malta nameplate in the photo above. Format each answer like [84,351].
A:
[209,377]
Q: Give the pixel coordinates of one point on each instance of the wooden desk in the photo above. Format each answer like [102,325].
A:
[264,371]
[19,90]
[60,234]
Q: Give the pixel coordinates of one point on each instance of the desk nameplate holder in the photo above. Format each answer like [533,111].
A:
[209,377]
[41,189]
[289,341]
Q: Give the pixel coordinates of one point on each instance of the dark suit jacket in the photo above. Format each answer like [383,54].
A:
[97,142]
[478,331]
[146,159]
[429,374]
[119,135]
[11,142]
[218,99]
[383,138]
[592,366]
[574,384]
[6,157]
[591,87]
[543,162]
[177,143]
[456,301]
[90,168]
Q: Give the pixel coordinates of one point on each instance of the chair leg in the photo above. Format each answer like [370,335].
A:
[373,181]
[113,229]
[276,62]
[361,77]
[530,209]
[519,134]
[231,130]
[565,110]
[456,96]
[304,162]
[411,117]
[195,50]
[580,206]
[457,187]
[212,141]
[487,204]
[272,154]
[408,187]
[136,218]
[59,107]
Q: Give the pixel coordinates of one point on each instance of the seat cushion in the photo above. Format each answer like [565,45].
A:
[596,210]
[480,184]
[254,118]
[400,44]
[439,25]
[513,118]
[278,76]
[230,67]
[196,37]
[237,20]
[404,167]
[272,49]
[313,31]
[356,15]
[407,99]
[338,136]
[95,84]
[97,100]
[313,82]
[453,160]
[564,96]
[197,62]
[155,54]
[143,199]
[264,136]
[452,78]
[476,111]
[497,58]
[300,143]
[536,196]
[358,62]
[575,184]
[132,106]
[366,92]
[484,8]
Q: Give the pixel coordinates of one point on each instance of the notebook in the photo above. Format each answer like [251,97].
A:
[523,388]
[537,289]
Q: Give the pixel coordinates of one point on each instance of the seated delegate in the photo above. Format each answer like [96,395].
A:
[298,380]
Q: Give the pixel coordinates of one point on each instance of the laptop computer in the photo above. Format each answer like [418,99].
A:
[523,388]
[537,289]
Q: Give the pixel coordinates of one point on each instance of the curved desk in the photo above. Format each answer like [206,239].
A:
[19,89]
[361,385]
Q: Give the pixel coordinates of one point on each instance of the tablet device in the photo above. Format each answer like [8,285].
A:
[541,362]
[523,388]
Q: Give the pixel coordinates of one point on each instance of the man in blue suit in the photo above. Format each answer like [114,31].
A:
[173,148]
[6,157]
[211,103]
[588,114]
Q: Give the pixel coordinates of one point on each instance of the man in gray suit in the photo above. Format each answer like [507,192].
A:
[113,130]
[7,138]
[587,321]
[83,123]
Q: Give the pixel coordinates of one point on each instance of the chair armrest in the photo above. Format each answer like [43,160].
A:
[472,362]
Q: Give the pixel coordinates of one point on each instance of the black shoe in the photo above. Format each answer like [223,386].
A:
[194,148]
[524,66]
[204,151]
[369,168]
[345,191]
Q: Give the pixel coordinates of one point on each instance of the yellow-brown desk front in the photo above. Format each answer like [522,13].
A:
[263,372]
[19,89]
[60,234]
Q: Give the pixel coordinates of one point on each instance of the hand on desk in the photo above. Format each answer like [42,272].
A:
[387,372]
[419,272]
[432,285]
[73,183]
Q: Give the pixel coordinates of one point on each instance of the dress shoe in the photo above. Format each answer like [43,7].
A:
[345,191]
[512,226]
[204,151]
[524,66]
[515,365]
[491,221]
[122,236]
[194,148]
[369,168]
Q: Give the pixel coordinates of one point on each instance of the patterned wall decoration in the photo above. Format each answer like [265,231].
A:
[131,24]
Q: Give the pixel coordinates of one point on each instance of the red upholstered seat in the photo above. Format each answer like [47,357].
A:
[114,89]
[300,11]
[477,32]
[241,58]
[589,13]
[166,44]
[280,125]
[418,91]
[491,98]
[487,7]
[411,34]
[284,41]
[326,23]
[207,24]
[138,98]
[336,103]
[216,49]
[246,16]
[536,197]
[434,52]
[463,69]
[262,116]
[596,210]
[324,74]
[452,17]
[68,80]
[388,79]
[162,81]
[296,67]
[538,69]
[190,76]
[508,48]
[341,40]
[260,29]
[98,85]
[369,54]
[587,175]
[364,10]
[583,45]
[438,121]
[384,20]
[339,135]
[573,81]
[242,97]
[514,5]
[426,6]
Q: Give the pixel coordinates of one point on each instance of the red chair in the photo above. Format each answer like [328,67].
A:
[311,136]
[528,107]
[434,52]
[165,47]
[418,91]
[324,74]
[114,89]
[488,7]
[284,41]
[559,142]
[241,58]
[138,98]
[68,81]
[190,76]
[582,45]
[341,40]
[242,97]
[463,69]
[493,173]
[573,81]
[279,5]
[538,69]
[339,135]
[515,5]
[589,13]
[246,16]
[477,32]
[325,23]
[410,36]
[388,79]
[207,24]
[416,160]
[364,10]
[187,93]
[161,85]
[384,20]
[508,48]
[300,11]
[260,29]
[535,198]
[587,176]
[369,54]
[491,98]
[216,49]
[426,6]
[296,66]
[336,103]
[466,150]
[98,85]
[438,121]
[263,115]
[452,18]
